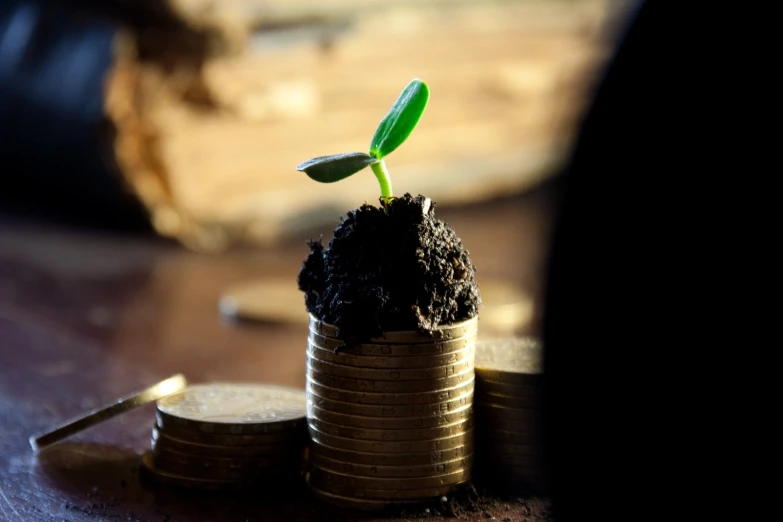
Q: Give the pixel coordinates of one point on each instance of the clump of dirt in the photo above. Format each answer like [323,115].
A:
[396,267]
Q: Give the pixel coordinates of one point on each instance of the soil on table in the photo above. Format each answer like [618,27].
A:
[392,268]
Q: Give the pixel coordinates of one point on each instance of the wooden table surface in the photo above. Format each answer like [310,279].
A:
[87,317]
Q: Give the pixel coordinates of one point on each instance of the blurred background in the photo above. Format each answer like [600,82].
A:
[186,118]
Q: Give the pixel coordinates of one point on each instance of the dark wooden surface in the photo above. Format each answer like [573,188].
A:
[88,317]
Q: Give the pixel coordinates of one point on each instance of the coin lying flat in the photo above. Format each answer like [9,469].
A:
[334,478]
[376,386]
[385,423]
[394,350]
[392,411]
[529,389]
[423,434]
[390,447]
[361,470]
[267,300]
[234,408]
[393,374]
[390,399]
[158,391]
[383,494]
[357,503]
[168,443]
[150,472]
[391,459]
[228,439]
[347,358]
[510,360]
[505,401]
[442,333]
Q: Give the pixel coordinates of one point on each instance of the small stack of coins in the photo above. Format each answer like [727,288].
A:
[228,436]
[508,383]
[390,421]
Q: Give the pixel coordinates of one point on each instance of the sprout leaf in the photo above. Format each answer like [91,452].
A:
[401,119]
[328,169]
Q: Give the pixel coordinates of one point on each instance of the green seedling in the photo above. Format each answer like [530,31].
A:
[392,132]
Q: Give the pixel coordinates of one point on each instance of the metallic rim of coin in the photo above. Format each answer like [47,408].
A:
[522,402]
[512,360]
[369,385]
[514,437]
[168,443]
[390,447]
[269,299]
[426,470]
[72,426]
[392,494]
[356,503]
[386,374]
[516,379]
[234,408]
[379,362]
[264,461]
[333,478]
[511,448]
[386,423]
[390,399]
[152,473]
[220,439]
[395,350]
[503,413]
[391,435]
[390,411]
[510,390]
[194,470]
[391,459]
[441,333]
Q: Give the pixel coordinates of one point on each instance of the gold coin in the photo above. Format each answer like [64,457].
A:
[503,307]
[387,494]
[392,447]
[511,360]
[223,463]
[168,443]
[375,386]
[513,437]
[394,374]
[493,447]
[151,473]
[221,439]
[394,350]
[360,470]
[393,410]
[234,408]
[390,399]
[170,464]
[391,459]
[502,413]
[530,389]
[355,503]
[270,300]
[391,435]
[77,424]
[385,423]
[493,424]
[524,402]
[441,333]
[323,477]
[354,358]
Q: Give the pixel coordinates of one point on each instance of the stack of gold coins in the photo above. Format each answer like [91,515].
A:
[508,383]
[228,435]
[390,421]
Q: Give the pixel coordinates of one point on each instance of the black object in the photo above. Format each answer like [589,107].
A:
[54,139]
[620,301]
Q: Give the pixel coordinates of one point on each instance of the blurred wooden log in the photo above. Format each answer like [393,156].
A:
[208,134]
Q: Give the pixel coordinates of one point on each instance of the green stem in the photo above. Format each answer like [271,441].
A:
[379,169]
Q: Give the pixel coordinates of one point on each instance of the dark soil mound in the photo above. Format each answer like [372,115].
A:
[394,269]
